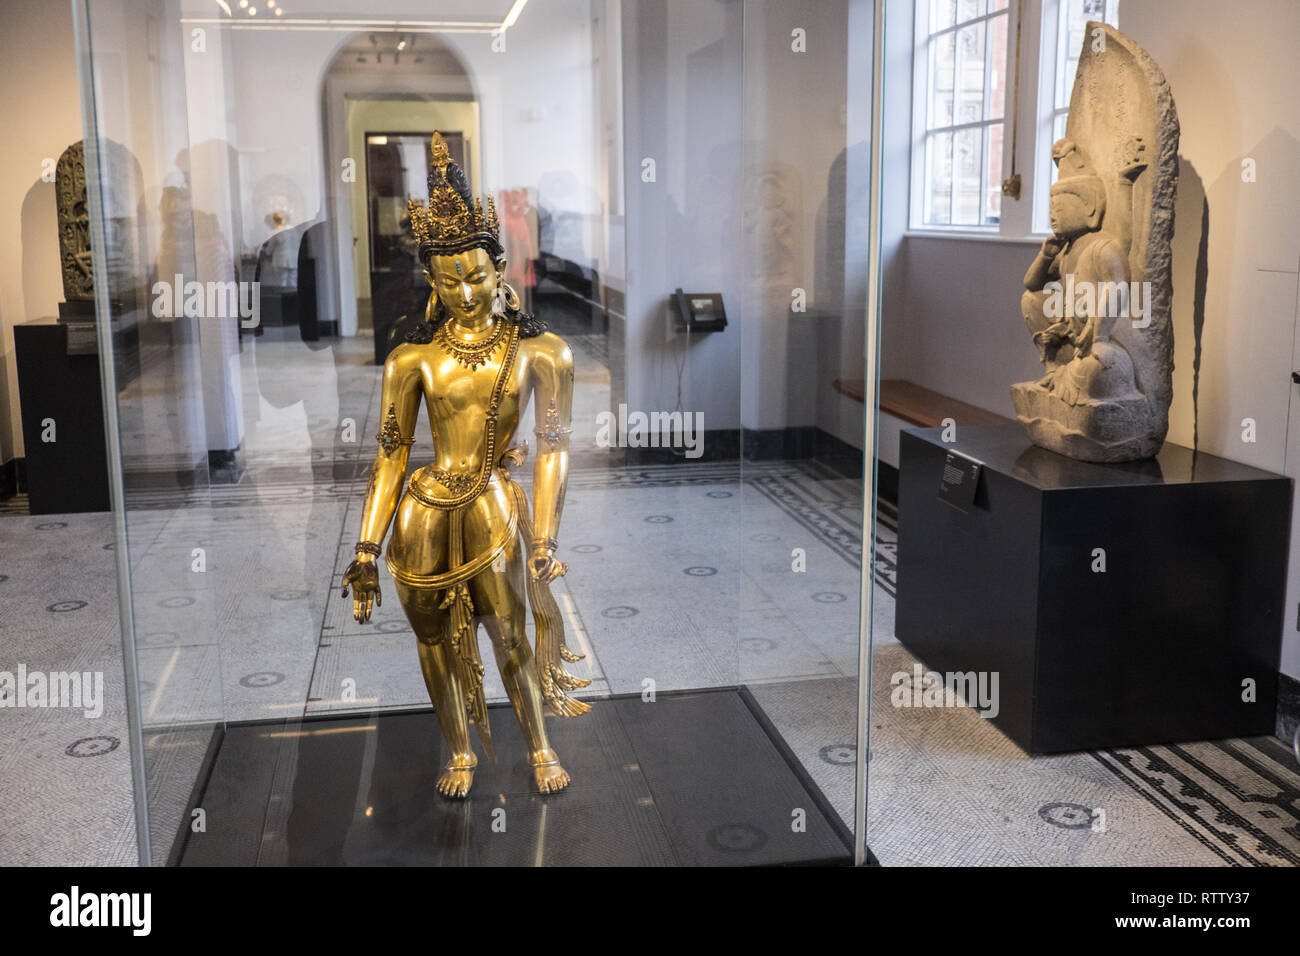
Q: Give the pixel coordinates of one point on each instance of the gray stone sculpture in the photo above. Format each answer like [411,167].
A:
[1099,290]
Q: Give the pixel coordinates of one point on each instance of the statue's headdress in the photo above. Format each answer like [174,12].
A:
[453,221]
[1076,175]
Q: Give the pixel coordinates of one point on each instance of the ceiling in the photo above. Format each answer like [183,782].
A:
[378,52]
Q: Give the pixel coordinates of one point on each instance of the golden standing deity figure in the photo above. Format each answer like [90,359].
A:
[462,529]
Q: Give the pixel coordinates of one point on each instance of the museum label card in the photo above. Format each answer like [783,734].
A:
[961,476]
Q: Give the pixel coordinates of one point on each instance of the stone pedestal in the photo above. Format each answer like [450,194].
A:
[59,396]
[1154,648]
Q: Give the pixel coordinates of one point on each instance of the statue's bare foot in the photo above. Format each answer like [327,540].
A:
[550,776]
[457,778]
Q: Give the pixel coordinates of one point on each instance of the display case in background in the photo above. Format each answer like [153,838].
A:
[713,522]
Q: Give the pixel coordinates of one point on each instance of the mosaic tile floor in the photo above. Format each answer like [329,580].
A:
[680,574]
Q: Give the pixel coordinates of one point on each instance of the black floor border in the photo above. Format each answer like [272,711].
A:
[201,781]
[842,832]
[796,766]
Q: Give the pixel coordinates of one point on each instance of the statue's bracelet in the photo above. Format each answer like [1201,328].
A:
[366,547]
[550,544]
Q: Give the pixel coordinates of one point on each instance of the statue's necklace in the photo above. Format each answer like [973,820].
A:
[472,355]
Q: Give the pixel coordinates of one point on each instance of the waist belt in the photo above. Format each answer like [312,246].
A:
[459,570]
[426,486]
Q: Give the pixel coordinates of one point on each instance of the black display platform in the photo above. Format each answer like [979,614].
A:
[69,474]
[1152,650]
[696,778]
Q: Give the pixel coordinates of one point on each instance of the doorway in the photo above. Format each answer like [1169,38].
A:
[397,164]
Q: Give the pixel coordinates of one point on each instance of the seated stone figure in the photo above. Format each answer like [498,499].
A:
[1074,338]
[1097,299]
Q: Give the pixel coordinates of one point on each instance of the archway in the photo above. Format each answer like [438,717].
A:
[383,94]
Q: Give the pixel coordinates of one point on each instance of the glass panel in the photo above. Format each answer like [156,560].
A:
[938,165]
[306,414]
[993,173]
[942,13]
[807,221]
[1073,26]
[999,64]
[970,74]
[969,10]
[1074,17]
[1058,133]
[942,66]
[968,162]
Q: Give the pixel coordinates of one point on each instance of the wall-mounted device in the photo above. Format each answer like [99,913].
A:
[699,312]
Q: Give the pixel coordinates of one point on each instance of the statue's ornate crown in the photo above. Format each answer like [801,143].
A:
[454,220]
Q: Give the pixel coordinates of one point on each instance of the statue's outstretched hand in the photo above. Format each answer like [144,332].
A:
[362,576]
[542,564]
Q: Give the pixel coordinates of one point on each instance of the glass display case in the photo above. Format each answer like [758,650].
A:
[604,557]
[586,431]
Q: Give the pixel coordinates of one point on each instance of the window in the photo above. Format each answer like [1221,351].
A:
[960,69]
[1064,28]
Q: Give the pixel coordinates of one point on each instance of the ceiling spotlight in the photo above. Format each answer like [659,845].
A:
[279,11]
[401,44]
[252,11]
[243,4]
[270,3]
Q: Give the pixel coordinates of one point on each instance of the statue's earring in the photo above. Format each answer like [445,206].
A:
[499,300]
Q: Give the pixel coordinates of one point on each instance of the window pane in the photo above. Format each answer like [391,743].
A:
[969,10]
[941,70]
[1058,132]
[1075,15]
[993,174]
[996,5]
[995,102]
[941,14]
[970,74]
[968,147]
[1074,18]
[938,175]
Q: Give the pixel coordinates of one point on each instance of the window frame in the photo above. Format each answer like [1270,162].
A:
[922,131]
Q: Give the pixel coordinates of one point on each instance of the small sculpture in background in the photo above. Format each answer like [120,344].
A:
[121,189]
[74,234]
[1099,291]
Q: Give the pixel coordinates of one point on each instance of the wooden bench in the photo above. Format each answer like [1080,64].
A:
[919,406]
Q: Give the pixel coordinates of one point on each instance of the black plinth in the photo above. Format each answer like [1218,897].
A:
[70,473]
[1154,649]
[696,777]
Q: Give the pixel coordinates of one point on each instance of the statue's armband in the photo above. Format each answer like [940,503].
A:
[390,435]
[553,433]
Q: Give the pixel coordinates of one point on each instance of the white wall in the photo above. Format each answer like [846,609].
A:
[956,326]
[1234,74]
[795,170]
[682,109]
[755,152]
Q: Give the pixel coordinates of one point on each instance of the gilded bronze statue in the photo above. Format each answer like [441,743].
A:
[464,548]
